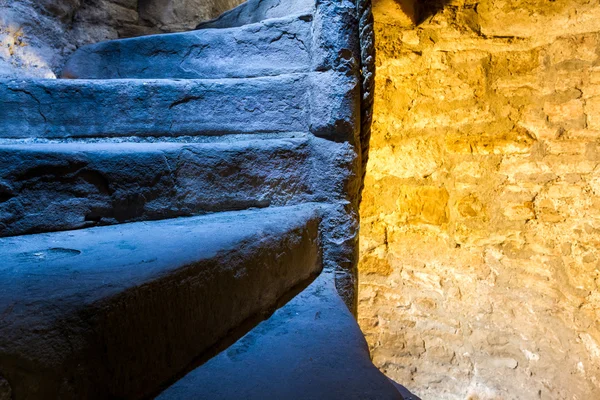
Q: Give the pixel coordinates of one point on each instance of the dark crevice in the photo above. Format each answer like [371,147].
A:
[4,196]
[426,9]
[186,99]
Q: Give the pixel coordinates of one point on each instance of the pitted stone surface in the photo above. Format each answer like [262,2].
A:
[480,218]
[79,108]
[58,186]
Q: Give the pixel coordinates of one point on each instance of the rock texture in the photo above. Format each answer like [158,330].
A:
[36,37]
[279,358]
[264,112]
[49,186]
[272,47]
[480,221]
[149,297]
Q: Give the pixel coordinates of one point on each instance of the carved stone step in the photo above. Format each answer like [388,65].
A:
[323,103]
[114,312]
[59,186]
[253,11]
[46,108]
[312,348]
[271,47]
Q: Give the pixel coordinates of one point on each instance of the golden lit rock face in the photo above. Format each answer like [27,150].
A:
[480,241]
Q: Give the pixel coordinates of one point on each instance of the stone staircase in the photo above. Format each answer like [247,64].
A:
[173,192]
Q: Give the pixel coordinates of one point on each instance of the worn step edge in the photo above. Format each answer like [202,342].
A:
[58,186]
[271,47]
[230,138]
[113,312]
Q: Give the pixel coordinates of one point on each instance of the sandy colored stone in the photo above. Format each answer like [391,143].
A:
[592,112]
[480,220]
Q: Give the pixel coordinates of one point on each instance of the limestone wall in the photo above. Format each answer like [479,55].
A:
[480,257]
[36,36]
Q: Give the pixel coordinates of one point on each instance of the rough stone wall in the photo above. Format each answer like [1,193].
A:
[36,36]
[480,221]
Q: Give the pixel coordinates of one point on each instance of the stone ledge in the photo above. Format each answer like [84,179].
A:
[273,47]
[59,186]
[46,108]
[113,312]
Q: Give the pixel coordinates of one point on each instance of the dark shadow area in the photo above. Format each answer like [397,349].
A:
[414,12]
[234,335]
[426,9]
[410,8]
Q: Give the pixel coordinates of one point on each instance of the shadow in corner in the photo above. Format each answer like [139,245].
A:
[417,11]
[425,9]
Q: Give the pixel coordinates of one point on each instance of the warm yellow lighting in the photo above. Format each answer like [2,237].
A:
[480,221]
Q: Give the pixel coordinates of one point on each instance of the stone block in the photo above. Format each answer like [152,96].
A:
[78,108]
[47,187]
[274,47]
[566,115]
[515,141]
[423,204]
[120,310]
[592,113]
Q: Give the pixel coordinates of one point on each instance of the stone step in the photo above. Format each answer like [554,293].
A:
[114,312]
[271,47]
[50,108]
[311,348]
[59,186]
[253,11]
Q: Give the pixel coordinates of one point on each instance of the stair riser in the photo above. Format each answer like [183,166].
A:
[115,312]
[264,49]
[67,187]
[89,108]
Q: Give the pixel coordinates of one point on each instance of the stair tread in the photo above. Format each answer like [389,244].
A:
[137,302]
[271,47]
[130,107]
[253,11]
[311,348]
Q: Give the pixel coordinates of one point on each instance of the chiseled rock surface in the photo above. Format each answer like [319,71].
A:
[479,274]
[324,103]
[114,312]
[312,348]
[179,15]
[273,47]
[59,186]
[50,108]
[253,11]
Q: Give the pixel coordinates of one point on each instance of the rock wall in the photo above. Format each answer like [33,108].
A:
[36,36]
[480,257]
